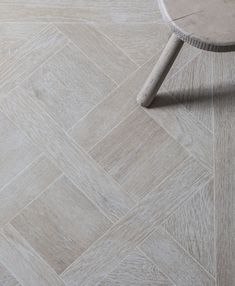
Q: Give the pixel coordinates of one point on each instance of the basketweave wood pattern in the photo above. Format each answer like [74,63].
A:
[97,192]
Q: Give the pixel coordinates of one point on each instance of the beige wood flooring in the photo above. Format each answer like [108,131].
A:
[95,190]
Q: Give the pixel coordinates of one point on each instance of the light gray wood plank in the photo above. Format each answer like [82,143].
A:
[138,153]
[29,57]
[173,261]
[25,264]
[106,253]
[6,278]
[136,270]
[111,111]
[68,86]
[41,13]
[224,105]
[193,227]
[140,41]
[26,187]
[17,151]
[61,150]
[100,50]
[61,224]
[15,35]
[151,4]
[182,126]
[192,86]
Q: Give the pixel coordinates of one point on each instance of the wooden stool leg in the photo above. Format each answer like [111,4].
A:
[160,71]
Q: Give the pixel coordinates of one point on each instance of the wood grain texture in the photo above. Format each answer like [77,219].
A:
[25,264]
[103,256]
[17,151]
[150,38]
[183,127]
[68,86]
[192,86]
[193,227]
[15,35]
[172,259]
[61,150]
[136,270]
[151,4]
[25,187]
[112,107]
[27,59]
[100,49]
[199,23]
[61,224]
[55,14]
[224,105]
[134,153]
[6,278]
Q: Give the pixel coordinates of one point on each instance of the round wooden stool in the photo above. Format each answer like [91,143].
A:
[204,24]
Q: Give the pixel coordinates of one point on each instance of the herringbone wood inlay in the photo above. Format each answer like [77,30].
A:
[95,190]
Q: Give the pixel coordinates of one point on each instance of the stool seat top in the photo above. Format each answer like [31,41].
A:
[205,24]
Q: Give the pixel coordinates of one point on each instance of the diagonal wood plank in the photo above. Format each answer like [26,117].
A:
[17,151]
[61,224]
[224,105]
[21,259]
[150,38]
[6,278]
[15,35]
[192,86]
[182,126]
[100,50]
[68,85]
[173,261]
[138,153]
[25,187]
[111,111]
[136,270]
[193,227]
[77,165]
[104,255]
[29,57]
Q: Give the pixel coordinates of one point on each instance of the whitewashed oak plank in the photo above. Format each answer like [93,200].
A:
[29,57]
[138,153]
[25,264]
[61,224]
[183,127]
[16,150]
[68,86]
[26,187]
[136,270]
[66,155]
[193,227]
[151,4]
[100,50]
[15,35]
[111,111]
[140,41]
[6,278]
[224,129]
[107,252]
[40,13]
[192,86]
[173,261]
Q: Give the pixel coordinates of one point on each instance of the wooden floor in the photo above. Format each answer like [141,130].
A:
[95,190]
